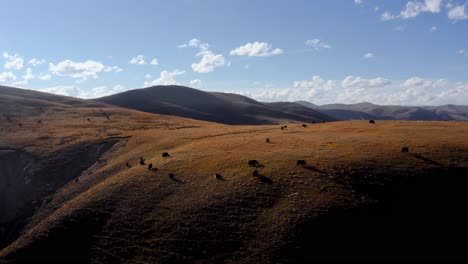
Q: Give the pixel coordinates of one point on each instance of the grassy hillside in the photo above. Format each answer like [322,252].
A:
[358,197]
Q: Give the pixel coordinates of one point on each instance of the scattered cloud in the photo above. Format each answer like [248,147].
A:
[139,60]
[165,78]
[317,44]
[154,62]
[7,77]
[79,92]
[358,82]
[256,49]
[413,91]
[148,76]
[368,56]
[195,43]
[414,9]
[82,70]
[112,69]
[359,2]
[433,29]
[44,77]
[35,62]
[456,12]
[209,62]
[196,83]
[463,52]
[13,62]
[28,75]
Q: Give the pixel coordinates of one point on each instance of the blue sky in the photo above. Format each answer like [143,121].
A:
[387,52]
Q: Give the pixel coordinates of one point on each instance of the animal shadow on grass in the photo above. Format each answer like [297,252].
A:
[264,179]
[174,179]
[312,168]
[432,162]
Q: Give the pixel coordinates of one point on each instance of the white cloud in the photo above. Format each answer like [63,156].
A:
[209,62]
[139,59]
[195,43]
[387,16]
[44,77]
[196,83]
[433,28]
[14,62]
[28,75]
[358,82]
[76,91]
[400,28]
[256,49]
[359,2]
[35,62]
[456,12]
[414,9]
[463,52]
[148,76]
[165,78]
[154,61]
[368,56]
[6,77]
[413,91]
[73,69]
[112,69]
[317,44]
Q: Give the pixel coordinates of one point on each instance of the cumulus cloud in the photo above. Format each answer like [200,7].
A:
[35,62]
[82,70]
[154,62]
[195,43]
[79,92]
[433,28]
[139,59]
[256,49]
[413,91]
[414,9]
[165,78]
[7,77]
[317,44]
[358,82]
[368,56]
[456,12]
[14,62]
[208,62]
[195,83]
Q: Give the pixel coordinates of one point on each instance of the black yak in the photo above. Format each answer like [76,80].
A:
[254,163]
[404,149]
[371,122]
[267,140]
[165,155]
[150,166]
[301,163]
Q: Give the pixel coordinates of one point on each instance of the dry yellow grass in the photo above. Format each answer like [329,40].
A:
[115,213]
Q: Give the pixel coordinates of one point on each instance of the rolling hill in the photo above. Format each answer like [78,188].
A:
[67,194]
[209,106]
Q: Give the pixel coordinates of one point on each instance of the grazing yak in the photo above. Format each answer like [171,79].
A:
[304,125]
[267,140]
[371,122]
[171,175]
[128,165]
[282,127]
[301,163]
[166,155]
[142,161]
[218,176]
[150,166]
[254,163]
[404,149]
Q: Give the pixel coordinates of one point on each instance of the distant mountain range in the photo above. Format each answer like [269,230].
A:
[236,109]
[391,112]
[217,107]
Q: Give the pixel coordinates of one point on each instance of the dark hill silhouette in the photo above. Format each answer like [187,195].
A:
[209,106]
